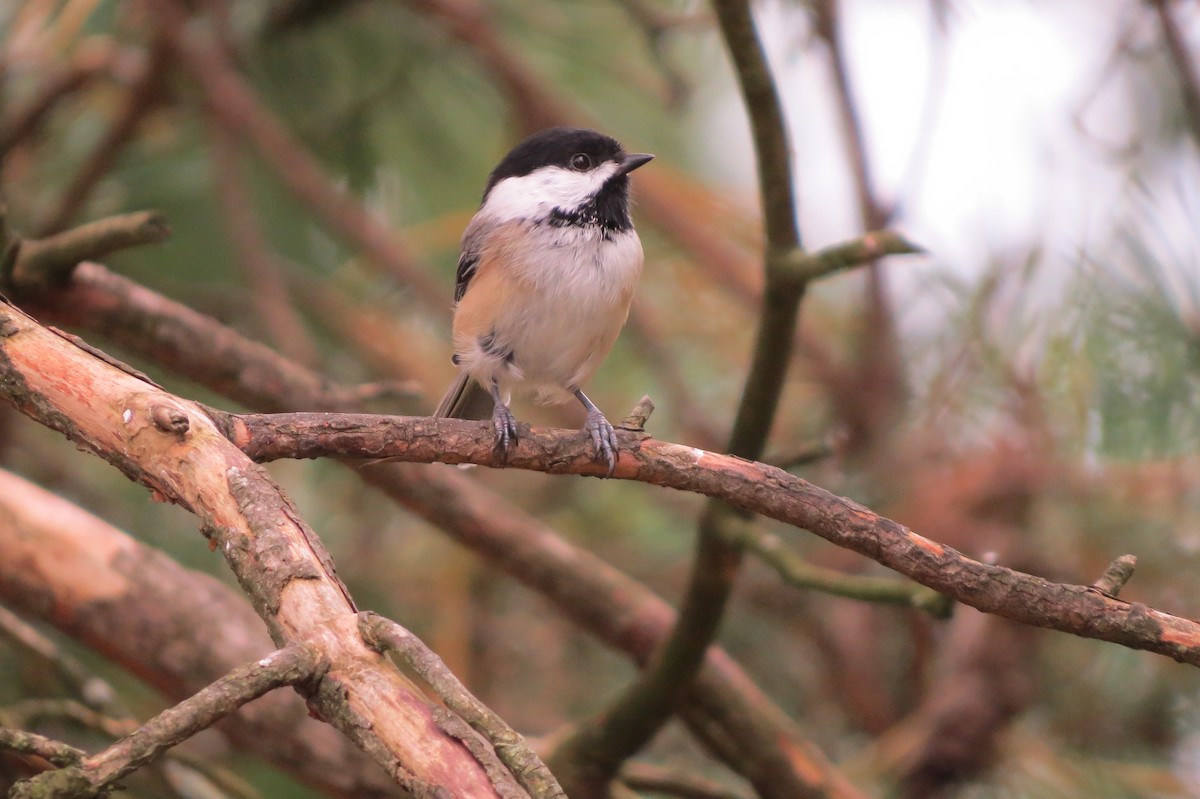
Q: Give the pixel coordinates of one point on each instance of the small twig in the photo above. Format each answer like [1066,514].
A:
[805,267]
[384,634]
[289,666]
[1116,575]
[97,693]
[235,106]
[798,572]
[262,269]
[48,262]
[30,743]
[805,453]
[30,711]
[1189,83]
[143,97]
[85,66]
[646,778]
[639,415]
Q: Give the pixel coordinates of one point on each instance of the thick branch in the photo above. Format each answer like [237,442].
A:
[177,629]
[172,447]
[750,486]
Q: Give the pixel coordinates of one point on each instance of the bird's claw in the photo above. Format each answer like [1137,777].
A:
[506,431]
[604,439]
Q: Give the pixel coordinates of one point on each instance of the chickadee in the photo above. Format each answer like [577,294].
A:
[545,277]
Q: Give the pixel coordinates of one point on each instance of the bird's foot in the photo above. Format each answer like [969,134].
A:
[506,431]
[604,439]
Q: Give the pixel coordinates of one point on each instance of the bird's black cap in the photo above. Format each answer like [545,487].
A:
[555,147]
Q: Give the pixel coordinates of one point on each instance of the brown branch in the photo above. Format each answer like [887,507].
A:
[29,743]
[652,779]
[176,337]
[277,558]
[1189,83]
[236,107]
[752,487]
[175,628]
[82,69]
[93,775]
[48,262]
[268,288]
[516,755]
[96,692]
[761,741]
[143,97]
[799,573]
[28,712]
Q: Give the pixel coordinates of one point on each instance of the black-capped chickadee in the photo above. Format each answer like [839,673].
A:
[547,270]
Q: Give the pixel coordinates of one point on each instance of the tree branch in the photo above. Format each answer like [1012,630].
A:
[236,107]
[522,762]
[276,557]
[747,485]
[1189,83]
[94,774]
[30,743]
[798,572]
[177,629]
[726,710]
[49,262]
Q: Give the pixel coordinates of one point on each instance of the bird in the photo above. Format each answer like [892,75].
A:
[547,270]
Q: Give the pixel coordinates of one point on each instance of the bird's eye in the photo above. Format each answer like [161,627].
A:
[581,162]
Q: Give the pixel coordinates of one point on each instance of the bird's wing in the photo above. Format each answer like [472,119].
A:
[473,240]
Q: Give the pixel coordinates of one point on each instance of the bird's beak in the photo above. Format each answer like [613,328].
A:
[631,162]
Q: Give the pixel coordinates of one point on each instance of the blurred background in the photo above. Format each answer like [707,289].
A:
[1026,391]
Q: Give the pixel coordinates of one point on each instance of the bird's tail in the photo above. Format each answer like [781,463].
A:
[465,399]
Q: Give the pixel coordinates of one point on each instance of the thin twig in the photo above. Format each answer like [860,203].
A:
[289,666]
[384,634]
[49,262]
[798,572]
[263,271]
[143,97]
[235,106]
[30,743]
[1189,83]
[96,692]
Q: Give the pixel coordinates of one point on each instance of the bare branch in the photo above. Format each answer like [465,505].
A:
[798,572]
[29,743]
[1185,70]
[49,262]
[176,628]
[289,666]
[96,692]
[277,558]
[524,764]
[761,742]
[750,486]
